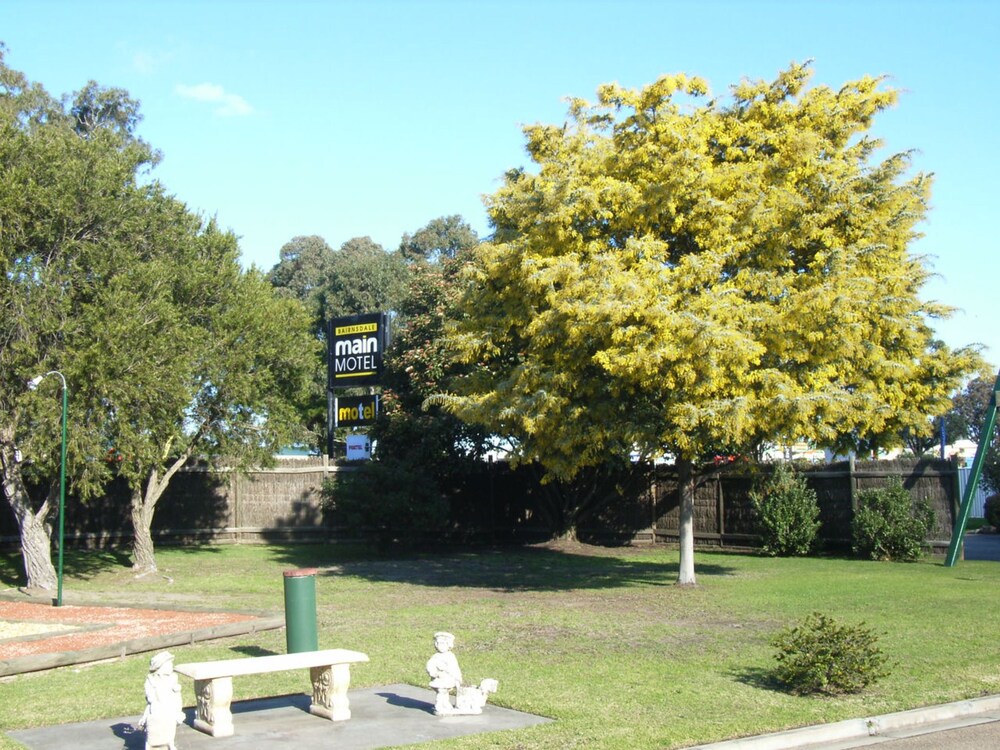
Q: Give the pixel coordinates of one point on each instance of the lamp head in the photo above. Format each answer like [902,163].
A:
[33,383]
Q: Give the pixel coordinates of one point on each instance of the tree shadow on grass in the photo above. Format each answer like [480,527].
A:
[198,548]
[76,564]
[509,570]
[11,567]
[87,564]
[80,564]
[762,679]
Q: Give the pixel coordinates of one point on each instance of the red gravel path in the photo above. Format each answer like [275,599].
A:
[101,626]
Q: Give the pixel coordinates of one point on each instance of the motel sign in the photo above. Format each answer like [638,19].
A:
[355,347]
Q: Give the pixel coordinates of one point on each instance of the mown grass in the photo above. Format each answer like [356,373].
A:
[598,639]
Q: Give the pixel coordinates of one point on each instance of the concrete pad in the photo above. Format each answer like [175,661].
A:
[380,717]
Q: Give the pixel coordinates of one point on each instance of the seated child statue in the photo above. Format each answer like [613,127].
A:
[445,672]
[446,676]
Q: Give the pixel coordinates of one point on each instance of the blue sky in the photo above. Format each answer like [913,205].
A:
[346,119]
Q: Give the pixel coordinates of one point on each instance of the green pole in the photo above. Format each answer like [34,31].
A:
[300,610]
[985,438]
[62,495]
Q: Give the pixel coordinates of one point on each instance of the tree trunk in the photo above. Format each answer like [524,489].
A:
[36,551]
[686,487]
[567,534]
[143,507]
[36,541]
[143,553]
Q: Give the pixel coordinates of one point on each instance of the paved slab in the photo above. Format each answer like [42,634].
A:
[380,717]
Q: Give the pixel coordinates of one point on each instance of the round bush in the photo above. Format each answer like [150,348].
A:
[821,656]
[787,513]
[889,525]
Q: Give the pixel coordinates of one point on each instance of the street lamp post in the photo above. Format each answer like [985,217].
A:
[33,384]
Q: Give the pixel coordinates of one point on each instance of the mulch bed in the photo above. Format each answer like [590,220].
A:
[109,632]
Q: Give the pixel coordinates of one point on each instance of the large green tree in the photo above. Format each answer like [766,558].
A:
[682,275]
[303,272]
[224,385]
[965,418]
[419,363]
[442,238]
[70,200]
[359,277]
[365,278]
[167,346]
[402,493]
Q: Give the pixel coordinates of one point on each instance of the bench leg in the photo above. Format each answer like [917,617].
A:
[329,698]
[213,715]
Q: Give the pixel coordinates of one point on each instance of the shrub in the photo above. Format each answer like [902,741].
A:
[391,502]
[889,525]
[787,513]
[820,656]
[991,511]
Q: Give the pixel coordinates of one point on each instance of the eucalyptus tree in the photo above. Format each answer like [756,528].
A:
[71,202]
[682,274]
[167,346]
[226,389]
[365,278]
[303,272]
[442,238]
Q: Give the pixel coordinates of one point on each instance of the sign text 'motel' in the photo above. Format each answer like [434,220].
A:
[355,348]
[356,411]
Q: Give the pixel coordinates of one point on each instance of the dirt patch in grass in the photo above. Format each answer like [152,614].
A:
[98,626]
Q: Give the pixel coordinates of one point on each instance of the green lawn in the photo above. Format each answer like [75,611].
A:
[598,639]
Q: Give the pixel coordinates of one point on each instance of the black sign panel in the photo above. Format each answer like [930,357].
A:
[355,348]
[356,411]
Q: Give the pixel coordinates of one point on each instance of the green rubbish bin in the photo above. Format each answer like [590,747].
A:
[300,610]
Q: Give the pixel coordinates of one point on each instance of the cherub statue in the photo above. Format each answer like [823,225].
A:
[447,676]
[444,671]
[163,703]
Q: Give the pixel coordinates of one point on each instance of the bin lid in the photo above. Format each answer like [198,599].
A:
[301,572]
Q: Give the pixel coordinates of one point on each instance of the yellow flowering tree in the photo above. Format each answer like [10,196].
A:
[686,275]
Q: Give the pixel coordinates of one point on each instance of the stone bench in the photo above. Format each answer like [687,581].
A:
[330,671]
